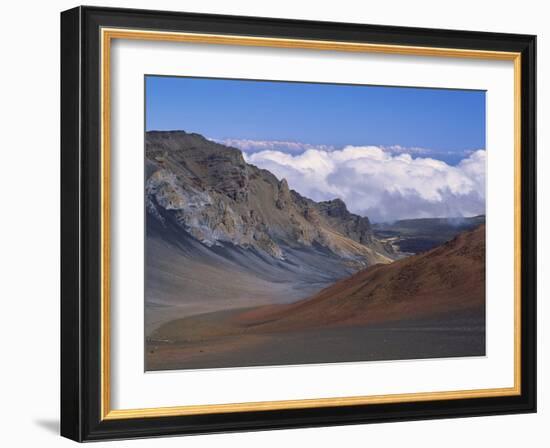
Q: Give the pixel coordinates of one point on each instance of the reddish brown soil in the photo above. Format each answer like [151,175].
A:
[448,278]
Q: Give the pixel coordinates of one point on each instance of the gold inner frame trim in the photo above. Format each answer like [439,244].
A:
[107,35]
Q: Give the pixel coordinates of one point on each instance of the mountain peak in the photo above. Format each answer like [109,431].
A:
[335,207]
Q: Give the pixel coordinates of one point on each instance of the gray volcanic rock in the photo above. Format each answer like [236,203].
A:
[283,195]
[214,195]
[210,164]
[355,227]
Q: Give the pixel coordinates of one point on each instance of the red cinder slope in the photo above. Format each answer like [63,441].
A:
[448,279]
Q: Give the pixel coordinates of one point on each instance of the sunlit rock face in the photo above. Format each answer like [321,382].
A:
[216,197]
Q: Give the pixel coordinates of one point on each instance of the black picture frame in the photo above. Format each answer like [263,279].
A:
[81,224]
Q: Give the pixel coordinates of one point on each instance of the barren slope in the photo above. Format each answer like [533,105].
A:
[444,281]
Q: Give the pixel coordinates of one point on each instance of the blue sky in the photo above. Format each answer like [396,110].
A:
[388,152]
[449,122]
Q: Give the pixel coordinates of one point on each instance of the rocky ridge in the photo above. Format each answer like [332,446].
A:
[214,195]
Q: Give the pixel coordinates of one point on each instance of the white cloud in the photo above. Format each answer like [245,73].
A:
[252,146]
[382,183]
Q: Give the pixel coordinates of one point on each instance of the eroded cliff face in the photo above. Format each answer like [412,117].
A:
[216,197]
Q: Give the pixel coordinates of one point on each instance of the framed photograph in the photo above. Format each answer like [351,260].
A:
[274,223]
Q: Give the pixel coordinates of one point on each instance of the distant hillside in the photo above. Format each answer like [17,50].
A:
[419,235]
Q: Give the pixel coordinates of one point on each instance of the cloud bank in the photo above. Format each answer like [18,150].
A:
[252,146]
[382,183]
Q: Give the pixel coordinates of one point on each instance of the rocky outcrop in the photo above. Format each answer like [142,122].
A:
[283,195]
[355,227]
[212,193]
